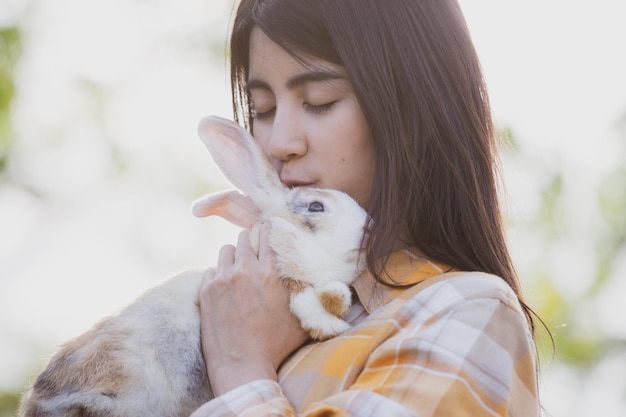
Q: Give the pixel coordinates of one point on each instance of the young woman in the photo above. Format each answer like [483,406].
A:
[384,100]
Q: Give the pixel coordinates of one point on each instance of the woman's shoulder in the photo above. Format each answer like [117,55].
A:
[464,284]
[460,297]
[451,288]
[416,277]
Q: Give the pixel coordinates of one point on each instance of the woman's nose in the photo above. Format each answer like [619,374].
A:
[287,139]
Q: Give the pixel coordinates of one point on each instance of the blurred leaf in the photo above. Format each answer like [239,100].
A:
[551,213]
[612,203]
[572,344]
[507,139]
[10,50]
[577,348]
[9,402]
[551,303]
[611,240]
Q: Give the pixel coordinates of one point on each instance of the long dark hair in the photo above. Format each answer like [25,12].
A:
[419,83]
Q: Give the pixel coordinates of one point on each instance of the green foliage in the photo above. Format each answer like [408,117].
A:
[570,315]
[10,50]
[9,402]
[568,342]
[550,216]
[611,241]
[507,139]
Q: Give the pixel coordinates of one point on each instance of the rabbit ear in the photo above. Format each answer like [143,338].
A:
[231,205]
[240,159]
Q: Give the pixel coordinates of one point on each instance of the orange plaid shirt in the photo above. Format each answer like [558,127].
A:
[457,344]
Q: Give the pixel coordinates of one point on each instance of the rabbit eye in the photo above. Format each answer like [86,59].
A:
[316,207]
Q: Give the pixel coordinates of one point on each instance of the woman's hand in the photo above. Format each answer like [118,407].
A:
[247,328]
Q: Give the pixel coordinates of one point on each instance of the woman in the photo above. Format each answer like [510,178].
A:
[383,100]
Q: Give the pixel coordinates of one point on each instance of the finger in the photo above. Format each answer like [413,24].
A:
[243,241]
[266,253]
[207,278]
[265,250]
[208,275]
[226,256]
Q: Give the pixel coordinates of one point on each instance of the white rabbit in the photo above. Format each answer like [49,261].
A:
[317,234]
[147,360]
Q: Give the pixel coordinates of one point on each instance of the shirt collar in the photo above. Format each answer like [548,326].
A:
[404,267]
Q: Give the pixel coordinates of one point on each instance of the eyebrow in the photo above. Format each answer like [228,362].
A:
[298,80]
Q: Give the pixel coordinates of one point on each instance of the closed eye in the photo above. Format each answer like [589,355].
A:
[313,108]
[319,108]
[257,115]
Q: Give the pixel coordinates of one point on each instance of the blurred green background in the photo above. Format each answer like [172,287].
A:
[99,162]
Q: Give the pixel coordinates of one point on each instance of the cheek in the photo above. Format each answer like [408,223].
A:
[367,168]
[357,170]
[258,133]
[358,156]
[261,138]
[365,181]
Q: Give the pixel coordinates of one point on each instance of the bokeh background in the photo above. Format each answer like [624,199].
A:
[100,161]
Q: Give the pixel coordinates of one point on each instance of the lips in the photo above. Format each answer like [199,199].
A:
[295,182]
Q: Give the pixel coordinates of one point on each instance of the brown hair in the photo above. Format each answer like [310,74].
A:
[418,80]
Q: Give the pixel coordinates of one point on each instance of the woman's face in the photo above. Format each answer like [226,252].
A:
[308,121]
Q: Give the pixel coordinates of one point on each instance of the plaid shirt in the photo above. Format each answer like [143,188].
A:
[457,344]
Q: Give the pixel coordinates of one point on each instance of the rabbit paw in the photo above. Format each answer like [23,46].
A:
[331,327]
[336,298]
[314,318]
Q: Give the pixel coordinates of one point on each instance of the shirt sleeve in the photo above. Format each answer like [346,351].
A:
[450,354]
[262,397]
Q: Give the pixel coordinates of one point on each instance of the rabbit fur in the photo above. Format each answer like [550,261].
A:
[146,360]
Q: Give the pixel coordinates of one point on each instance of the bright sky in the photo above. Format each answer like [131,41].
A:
[555,70]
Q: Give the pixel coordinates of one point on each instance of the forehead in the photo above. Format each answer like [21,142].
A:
[267,58]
